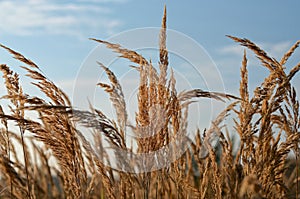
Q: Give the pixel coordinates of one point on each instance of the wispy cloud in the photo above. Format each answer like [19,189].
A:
[104,1]
[55,17]
[230,60]
[233,49]
[273,49]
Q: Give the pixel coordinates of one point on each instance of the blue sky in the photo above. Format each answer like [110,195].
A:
[55,33]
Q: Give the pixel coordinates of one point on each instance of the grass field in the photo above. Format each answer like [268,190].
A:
[266,121]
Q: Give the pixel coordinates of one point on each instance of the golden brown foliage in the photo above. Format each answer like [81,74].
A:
[260,168]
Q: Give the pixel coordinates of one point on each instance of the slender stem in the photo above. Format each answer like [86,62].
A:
[25,161]
[8,154]
[146,185]
[297,171]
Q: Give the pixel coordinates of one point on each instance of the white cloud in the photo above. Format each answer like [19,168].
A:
[275,50]
[231,59]
[103,1]
[233,49]
[54,17]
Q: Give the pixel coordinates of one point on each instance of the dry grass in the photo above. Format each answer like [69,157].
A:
[261,167]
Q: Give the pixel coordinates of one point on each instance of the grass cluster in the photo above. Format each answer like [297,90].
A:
[266,121]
